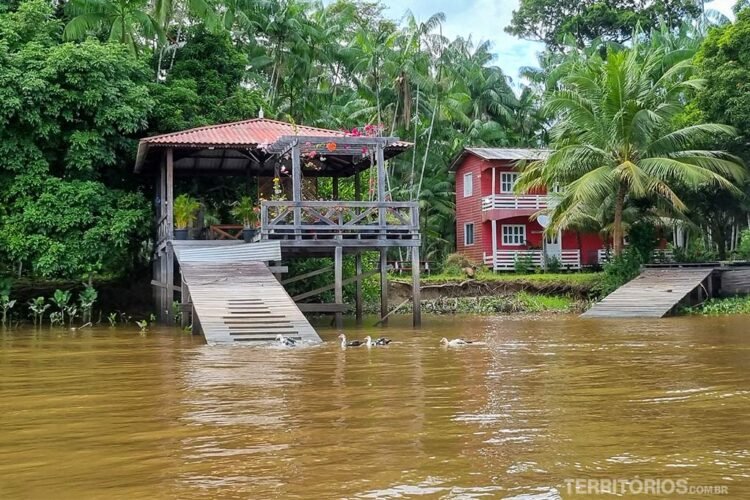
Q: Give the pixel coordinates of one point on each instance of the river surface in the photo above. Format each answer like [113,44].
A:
[107,413]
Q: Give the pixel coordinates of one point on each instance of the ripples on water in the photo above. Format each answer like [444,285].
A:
[111,414]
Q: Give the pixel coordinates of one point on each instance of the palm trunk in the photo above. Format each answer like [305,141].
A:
[617,232]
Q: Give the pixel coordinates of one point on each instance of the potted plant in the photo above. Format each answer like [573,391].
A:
[185,211]
[247,212]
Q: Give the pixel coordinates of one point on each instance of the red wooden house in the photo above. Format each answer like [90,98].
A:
[494,225]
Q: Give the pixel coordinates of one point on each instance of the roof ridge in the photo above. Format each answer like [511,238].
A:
[234,124]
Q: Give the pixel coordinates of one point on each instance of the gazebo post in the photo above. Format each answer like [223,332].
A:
[335,182]
[358,311]
[384,286]
[296,187]
[338,276]
[170,236]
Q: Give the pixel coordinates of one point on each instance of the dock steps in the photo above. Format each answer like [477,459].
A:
[237,298]
[652,294]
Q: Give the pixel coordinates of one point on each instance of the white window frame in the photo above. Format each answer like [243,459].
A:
[468,184]
[508,179]
[515,236]
[466,234]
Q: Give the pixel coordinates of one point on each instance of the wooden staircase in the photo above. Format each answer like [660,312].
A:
[238,299]
[655,293]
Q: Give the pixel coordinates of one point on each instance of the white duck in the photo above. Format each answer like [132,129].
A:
[285,341]
[455,342]
[352,343]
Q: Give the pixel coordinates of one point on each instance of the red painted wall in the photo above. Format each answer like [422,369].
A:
[469,209]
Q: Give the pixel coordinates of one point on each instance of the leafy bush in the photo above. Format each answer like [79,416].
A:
[643,239]
[743,250]
[619,271]
[455,264]
[523,264]
[696,252]
[552,265]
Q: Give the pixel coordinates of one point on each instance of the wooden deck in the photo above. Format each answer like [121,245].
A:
[235,296]
[653,294]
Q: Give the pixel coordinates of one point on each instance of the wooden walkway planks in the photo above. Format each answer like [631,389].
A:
[653,294]
[238,299]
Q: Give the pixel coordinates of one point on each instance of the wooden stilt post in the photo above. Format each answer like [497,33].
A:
[185,311]
[415,288]
[384,284]
[296,189]
[170,236]
[338,272]
[380,160]
[357,187]
[358,305]
[335,182]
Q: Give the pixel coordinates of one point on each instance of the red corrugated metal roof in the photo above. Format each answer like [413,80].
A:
[244,133]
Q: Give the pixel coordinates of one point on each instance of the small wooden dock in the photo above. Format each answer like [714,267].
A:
[655,293]
[235,297]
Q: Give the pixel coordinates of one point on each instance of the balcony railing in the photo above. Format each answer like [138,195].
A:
[339,219]
[513,202]
[506,259]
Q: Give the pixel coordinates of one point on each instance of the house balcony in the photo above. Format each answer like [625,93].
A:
[505,260]
[503,206]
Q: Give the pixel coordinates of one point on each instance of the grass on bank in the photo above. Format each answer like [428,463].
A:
[579,279]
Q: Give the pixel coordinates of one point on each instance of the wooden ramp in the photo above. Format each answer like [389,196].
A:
[236,297]
[653,294]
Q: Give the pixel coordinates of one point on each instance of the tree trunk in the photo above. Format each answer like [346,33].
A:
[617,232]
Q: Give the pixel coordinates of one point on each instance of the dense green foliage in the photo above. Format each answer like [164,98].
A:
[552,21]
[68,114]
[616,141]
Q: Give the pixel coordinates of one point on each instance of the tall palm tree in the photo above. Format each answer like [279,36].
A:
[126,21]
[613,135]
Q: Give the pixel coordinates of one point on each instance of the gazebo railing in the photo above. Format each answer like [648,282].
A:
[339,219]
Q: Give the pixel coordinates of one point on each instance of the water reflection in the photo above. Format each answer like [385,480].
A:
[111,414]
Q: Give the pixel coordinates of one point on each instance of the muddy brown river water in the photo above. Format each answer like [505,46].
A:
[107,413]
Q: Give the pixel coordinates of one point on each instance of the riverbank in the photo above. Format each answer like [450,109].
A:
[499,293]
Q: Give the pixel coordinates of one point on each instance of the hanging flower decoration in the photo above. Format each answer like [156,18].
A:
[331,147]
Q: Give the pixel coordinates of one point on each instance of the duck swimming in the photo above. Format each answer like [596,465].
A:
[285,341]
[455,342]
[351,343]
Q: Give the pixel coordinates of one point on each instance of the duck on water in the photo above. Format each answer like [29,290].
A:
[457,342]
[367,342]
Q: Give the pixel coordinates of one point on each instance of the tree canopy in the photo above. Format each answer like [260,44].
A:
[552,21]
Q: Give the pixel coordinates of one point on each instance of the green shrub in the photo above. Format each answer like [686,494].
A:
[455,263]
[552,265]
[523,264]
[619,271]
[743,250]
[643,239]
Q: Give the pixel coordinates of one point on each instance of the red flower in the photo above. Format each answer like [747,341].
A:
[331,146]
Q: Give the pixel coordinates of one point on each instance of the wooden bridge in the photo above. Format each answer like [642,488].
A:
[656,293]
[234,296]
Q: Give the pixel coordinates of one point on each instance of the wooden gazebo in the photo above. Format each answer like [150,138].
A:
[303,227]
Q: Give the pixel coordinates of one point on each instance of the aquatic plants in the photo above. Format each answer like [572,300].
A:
[717,306]
[112,318]
[6,304]
[61,299]
[37,307]
[86,299]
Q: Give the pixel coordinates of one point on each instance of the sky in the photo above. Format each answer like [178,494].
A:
[486,20]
